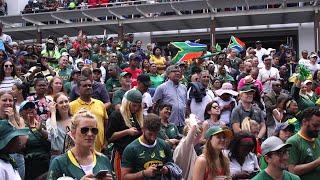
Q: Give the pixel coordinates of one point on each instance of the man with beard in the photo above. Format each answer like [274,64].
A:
[305,151]
[275,153]
[147,156]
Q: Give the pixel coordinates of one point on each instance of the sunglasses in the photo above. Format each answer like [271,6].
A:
[215,107]
[8,66]
[85,130]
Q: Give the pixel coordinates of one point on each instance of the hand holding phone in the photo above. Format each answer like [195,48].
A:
[102,174]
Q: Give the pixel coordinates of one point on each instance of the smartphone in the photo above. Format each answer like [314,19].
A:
[102,174]
[159,167]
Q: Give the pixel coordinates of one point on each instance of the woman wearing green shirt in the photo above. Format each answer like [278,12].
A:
[168,131]
[37,153]
[156,79]
[81,161]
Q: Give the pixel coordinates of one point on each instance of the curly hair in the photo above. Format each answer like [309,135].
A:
[235,143]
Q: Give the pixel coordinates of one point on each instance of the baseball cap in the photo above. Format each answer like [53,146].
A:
[313,55]
[172,68]
[134,56]
[50,41]
[247,88]
[123,74]
[144,79]
[283,126]
[272,144]
[134,95]
[27,104]
[216,130]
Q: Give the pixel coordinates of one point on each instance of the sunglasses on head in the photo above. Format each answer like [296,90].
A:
[85,130]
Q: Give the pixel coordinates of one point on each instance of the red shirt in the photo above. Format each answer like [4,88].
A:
[135,73]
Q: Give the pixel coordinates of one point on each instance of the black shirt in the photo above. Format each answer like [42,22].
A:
[116,124]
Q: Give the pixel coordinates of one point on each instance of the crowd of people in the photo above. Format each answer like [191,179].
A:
[111,109]
[36,6]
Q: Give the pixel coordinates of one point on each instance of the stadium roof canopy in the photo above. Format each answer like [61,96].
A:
[181,15]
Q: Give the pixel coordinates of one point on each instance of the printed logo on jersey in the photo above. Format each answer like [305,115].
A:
[153,162]
[162,154]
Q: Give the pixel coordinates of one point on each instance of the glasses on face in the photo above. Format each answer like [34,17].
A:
[277,85]
[85,130]
[215,107]
[7,66]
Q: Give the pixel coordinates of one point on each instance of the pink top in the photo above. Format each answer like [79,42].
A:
[257,83]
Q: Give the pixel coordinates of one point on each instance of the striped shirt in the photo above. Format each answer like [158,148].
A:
[7,83]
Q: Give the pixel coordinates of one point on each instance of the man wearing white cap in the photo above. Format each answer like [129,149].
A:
[276,155]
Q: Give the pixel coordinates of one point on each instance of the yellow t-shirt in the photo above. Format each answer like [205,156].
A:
[96,107]
[160,62]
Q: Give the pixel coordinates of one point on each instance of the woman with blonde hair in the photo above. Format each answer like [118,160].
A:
[125,126]
[212,163]
[82,161]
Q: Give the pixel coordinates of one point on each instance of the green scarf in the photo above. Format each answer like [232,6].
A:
[8,159]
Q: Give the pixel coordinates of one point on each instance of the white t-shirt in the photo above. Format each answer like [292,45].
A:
[225,115]
[88,169]
[7,172]
[304,61]
[250,164]
[146,101]
[264,74]
[313,67]
[199,108]
[260,53]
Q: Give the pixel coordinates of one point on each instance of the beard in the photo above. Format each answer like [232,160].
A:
[312,134]
[149,141]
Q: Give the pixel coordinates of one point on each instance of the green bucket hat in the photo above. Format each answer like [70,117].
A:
[134,95]
[8,132]
[216,130]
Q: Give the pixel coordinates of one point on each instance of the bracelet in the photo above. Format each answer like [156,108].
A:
[143,175]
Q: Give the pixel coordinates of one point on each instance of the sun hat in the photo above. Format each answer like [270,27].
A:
[216,130]
[8,132]
[134,95]
[226,88]
[272,144]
